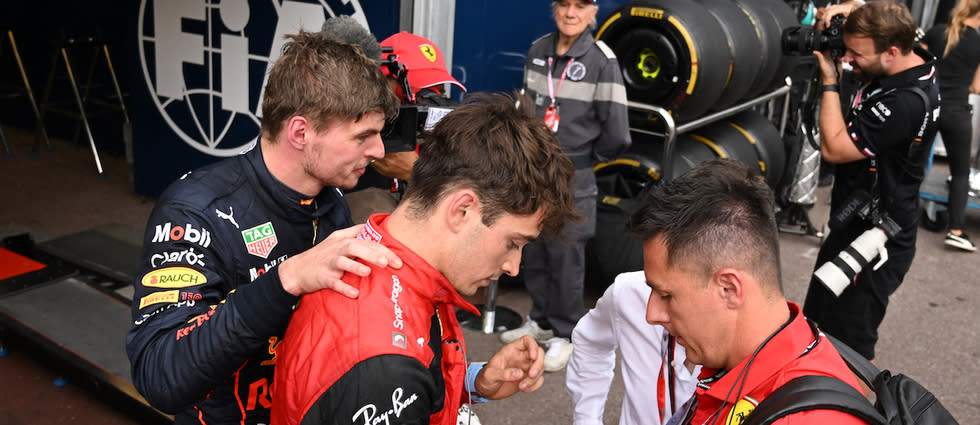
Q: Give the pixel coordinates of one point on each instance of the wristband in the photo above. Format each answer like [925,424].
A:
[830,87]
[471,371]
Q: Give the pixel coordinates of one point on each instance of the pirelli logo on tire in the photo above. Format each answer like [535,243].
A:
[173,277]
[647,12]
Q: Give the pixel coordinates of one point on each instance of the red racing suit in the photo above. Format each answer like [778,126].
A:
[395,355]
[798,349]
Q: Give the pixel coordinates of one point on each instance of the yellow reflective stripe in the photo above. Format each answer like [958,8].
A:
[690,48]
[609,22]
[653,173]
[710,144]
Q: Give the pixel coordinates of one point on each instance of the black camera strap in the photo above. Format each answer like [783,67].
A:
[857,105]
[914,143]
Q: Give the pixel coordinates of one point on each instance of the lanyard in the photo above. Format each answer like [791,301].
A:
[551,88]
[857,98]
[856,105]
[665,385]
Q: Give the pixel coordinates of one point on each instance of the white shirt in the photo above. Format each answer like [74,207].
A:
[619,321]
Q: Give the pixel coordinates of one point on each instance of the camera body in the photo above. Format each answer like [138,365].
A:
[838,273]
[418,112]
[802,41]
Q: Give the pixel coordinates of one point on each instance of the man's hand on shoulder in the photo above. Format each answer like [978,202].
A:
[323,266]
[518,366]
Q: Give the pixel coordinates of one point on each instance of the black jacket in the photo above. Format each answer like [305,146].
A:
[208,307]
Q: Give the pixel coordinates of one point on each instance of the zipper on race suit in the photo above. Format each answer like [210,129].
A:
[316,222]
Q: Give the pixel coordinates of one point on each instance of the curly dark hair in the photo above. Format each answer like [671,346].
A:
[887,23]
[506,155]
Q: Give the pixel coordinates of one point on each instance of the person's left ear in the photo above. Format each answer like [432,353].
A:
[891,53]
[297,128]
[731,285]
[463,207]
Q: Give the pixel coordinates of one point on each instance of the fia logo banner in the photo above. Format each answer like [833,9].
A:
[205,61]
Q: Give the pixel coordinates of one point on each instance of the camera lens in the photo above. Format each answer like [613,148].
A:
[799,41]
[804,40]
[837,274]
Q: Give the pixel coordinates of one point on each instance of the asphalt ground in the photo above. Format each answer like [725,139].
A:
[929,333]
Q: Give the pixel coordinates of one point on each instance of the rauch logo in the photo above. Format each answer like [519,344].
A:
[173,277]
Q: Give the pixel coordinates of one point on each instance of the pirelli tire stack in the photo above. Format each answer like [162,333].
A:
[692,58]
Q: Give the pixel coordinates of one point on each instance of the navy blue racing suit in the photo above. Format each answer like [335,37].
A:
[209,309]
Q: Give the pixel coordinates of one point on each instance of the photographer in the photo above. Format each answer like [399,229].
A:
[413,65]
[424,75]
[880,148]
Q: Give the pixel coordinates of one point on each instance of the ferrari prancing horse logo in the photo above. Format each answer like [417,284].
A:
[428,51]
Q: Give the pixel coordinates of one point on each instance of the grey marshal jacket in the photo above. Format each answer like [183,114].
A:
[591,99]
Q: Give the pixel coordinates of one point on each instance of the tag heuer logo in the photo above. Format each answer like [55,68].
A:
[260,240]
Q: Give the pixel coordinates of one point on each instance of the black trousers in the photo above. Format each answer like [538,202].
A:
[956,127]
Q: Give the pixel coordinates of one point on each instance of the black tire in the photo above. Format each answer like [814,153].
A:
[612,250]
[623,183]
[670,54]
[769,33]
[728,141]
[785,17]
[691,150]
[744,50]
[633,171]
[764,137]
[939,224]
